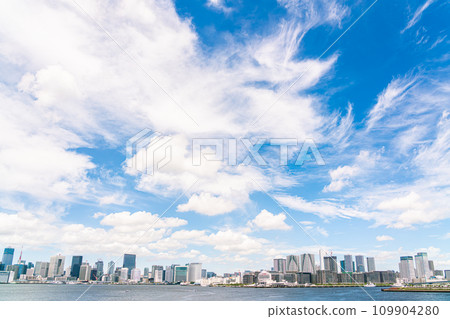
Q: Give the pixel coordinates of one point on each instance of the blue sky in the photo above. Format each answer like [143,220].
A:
[77,81]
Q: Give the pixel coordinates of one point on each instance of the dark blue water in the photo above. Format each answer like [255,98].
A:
[148,293]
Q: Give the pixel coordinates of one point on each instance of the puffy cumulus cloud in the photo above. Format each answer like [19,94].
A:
[343,175]
[25,228]
[265,220]
[124,232]
[340,177]
[238,243]
[207,204]
[227,241]
[35,155]
[411,209]
[384,238]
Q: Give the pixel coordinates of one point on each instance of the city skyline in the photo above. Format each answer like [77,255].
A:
[327,130]
[409,269]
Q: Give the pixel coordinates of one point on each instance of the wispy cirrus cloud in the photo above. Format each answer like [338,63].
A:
[417,14]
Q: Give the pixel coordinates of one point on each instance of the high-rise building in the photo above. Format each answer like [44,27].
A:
[447,274]
[146,272]
[330,263]
[41,269]
[406,267]
[195,272]
[308,263]
[56,267]
[292,263]
[8,255]
[370,264]
[111,268]
[123,274]
[348,263]
[158,275]
[99,267]
[170,273]
[204,273]
[322,253]
[129,261]
[422,266]
[181,274]
[85,272]
[136,274]
[279,265]
[360,263]
[154,268]
[77,261]
[431,266]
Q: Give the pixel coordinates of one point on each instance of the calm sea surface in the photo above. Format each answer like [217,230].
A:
[148,293]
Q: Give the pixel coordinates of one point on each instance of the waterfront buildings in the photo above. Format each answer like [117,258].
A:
[308,264]
[129,262]
[99,267]
[292,263]
[194,272]
[7,258]
[154,269]
[348,263]
[359,261]
[56,267]
[370,264]
[158,275]
[135,275]
[279,265]
[321,259]
[181,274]
[406,267]
[330,263]
[77,261]
[422,266]
[41,269]
[111,268]
[123,277]
[85,272]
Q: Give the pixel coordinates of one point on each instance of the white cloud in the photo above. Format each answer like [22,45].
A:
[117,199]
[322,208]
[389,99]
[417,15]
[207,204]
[219,5]
[129,222]
[384,238]
[265,220]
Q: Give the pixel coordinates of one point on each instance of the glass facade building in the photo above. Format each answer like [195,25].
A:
[77,261]
[181,274]
[8,255]
[129,261]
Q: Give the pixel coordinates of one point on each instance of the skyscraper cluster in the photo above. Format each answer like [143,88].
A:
[417,269]
[302,269]
[292,270]
[81,271]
